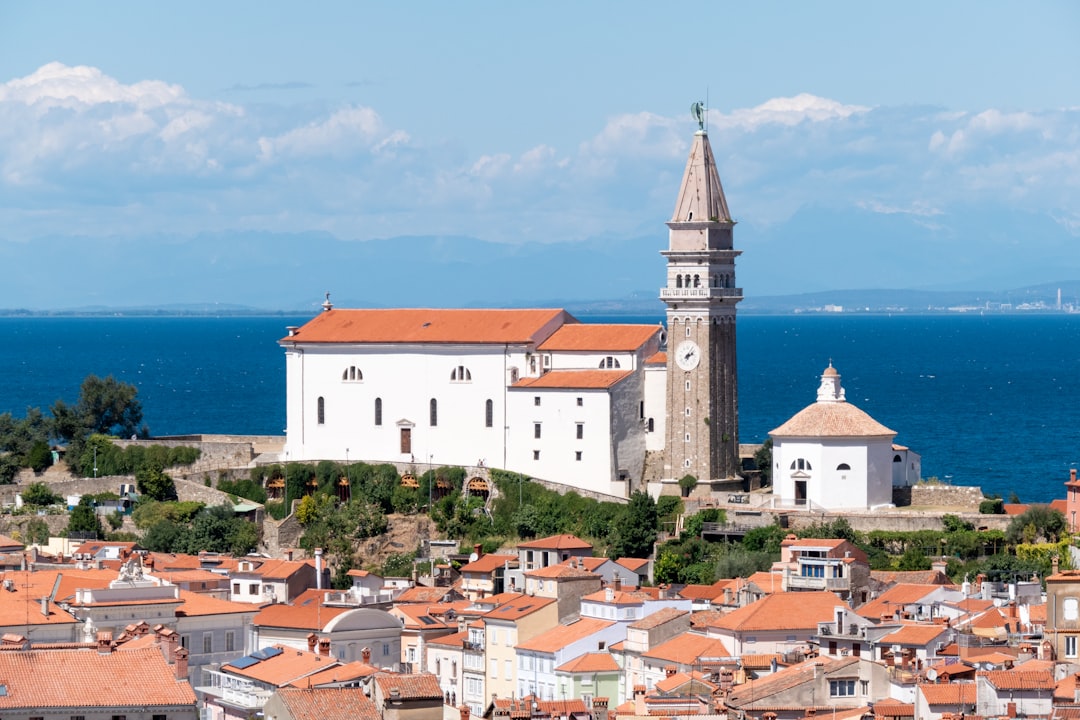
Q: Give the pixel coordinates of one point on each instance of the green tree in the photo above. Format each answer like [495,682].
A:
[1039,523]
[36,531]
[765,539]
[636,531]
[763,461]
[39,494]
[154,483]
[687,483]
[40,456]
[84,520]
[913,559]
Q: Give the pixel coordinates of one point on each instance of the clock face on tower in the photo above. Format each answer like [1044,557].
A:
[688,355]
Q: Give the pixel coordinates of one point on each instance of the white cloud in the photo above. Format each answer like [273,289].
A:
[58,85]
[919,208]
[785,111]
[345,131]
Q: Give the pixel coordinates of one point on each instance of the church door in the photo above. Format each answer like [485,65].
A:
[406,440]
[800,492]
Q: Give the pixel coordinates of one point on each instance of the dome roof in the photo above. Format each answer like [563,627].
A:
[363,619]
[832,419]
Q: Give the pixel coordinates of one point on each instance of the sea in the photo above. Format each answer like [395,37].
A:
[988,400]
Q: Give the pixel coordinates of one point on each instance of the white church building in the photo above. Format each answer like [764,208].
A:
[831,455]
[534,391]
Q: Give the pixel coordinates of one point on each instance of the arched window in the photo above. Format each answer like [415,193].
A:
[322,411]
[609,362]
[489,413]
[433,419]
[897,458]
[686,280]
[460,374]
[678,281]
[352,374]
[697,281]
[378,411]
[800,464]
[843,466]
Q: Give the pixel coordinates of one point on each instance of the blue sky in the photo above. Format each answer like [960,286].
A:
[933,144]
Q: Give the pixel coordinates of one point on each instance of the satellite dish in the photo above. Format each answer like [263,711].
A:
[931,675]
[473,557]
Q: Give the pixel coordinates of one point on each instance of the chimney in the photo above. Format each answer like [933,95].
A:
[478,550]
[312,640]
[639,700]
[148,562]
[1072,474]
[324,646]
[365,656]
[181,663]
[670,670]
[1054,557]
[33,553]
[463,712]
[169,642]
[318,568]
[104,642]
[600,708]
[618,582]
[45,606]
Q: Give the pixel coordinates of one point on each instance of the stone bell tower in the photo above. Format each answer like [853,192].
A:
[701,296]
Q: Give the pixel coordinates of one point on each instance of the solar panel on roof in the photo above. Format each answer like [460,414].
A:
[272,651]
[244,662]
[259,655]
[427,620]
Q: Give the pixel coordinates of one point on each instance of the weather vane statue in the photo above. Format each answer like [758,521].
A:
[698,111]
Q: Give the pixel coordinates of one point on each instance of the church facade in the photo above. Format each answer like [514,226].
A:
[536,391]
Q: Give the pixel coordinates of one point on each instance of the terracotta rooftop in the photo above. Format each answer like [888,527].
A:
[198,604]
[421,594]
[658,618]
[1020,679]
[562,570]
[598,337]
[282,668]
[336,674]
[575,379]
[686,648]
[758,693]
[832,419]
[565,541]
[658,358]
[590,662]
[306,613]
[426,325]
[782,611]
[695,682]
[914,634]
[560,636]
[634,564]
[518,608]
[911,577]
[488,563]
[328,704]
[953,693]
[423,686]
[895,598]
[454,640]
[86,678]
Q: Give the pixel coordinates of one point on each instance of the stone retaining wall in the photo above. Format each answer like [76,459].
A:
[935,495]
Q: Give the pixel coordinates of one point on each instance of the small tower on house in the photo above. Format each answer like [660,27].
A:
[701,297]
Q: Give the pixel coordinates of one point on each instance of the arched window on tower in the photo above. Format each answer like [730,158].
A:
[686,280]
[678,281]
[433,412]
[378,411]
[322,411]
[489,413]
[897,458]
[697,281]
[712,281]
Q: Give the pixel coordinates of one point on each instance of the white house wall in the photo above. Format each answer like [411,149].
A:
[656,407]
[867,483]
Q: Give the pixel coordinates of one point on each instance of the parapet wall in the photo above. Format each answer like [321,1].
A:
[950,496]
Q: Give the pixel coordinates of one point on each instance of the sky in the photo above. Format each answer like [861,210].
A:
[922,144]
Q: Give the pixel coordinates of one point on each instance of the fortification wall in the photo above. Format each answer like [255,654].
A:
[946,496]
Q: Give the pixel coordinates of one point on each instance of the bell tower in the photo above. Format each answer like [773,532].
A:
[701,296]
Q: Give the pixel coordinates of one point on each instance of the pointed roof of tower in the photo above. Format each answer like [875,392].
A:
[701,196]
[832,415]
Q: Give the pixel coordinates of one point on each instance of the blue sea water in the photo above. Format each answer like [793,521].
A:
[988,400]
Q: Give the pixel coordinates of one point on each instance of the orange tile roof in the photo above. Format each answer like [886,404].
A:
[633,564]
[914,634]
[412,616]
[657,358]
[600,338]
[911,577]
[575,379]
[782,611]
[893,599]
[686,648]
[488,563]
[422,594]
[281,569]
[349,703]
[518,608]
[560,636]
[336,674]
[422,686]
[566,572]
[86,678]
[757,693]
[565,541]
[22,606]
[621,597]
[832,419]
[948,693]
[1019,679]
[766,581]
[700,619]
[454,640]
[658,618]
[700,592]
[7,542]
[310,616]
[199,604]
[284,668]
[893,708]
[590,662]
[428,325]
[681,679]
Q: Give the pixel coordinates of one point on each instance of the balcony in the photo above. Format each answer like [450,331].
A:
[473,646]
[699,293]
[800,582]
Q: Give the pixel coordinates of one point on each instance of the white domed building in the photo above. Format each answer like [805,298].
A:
[831,455]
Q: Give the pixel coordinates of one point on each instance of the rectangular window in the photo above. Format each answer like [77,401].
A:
[1070,646]
[577,455]
[536,454]
[236,588]
[580,431]
[864,687]
[508,669]
[78,717]
[433,413]
[841,688]
[253,589]
[494,669]
[536,400]
[378,411]
[230,641]
[207,643]
[580,402]
[322,411]
[385,649]
[536,430]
